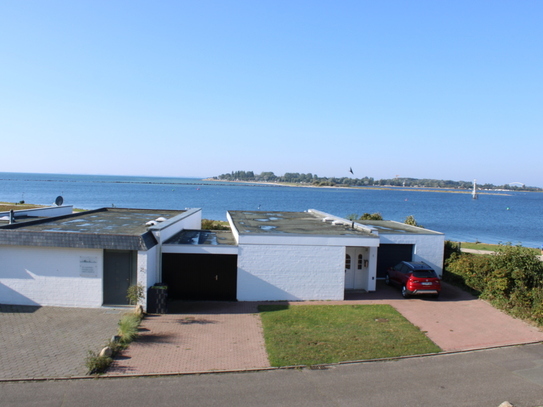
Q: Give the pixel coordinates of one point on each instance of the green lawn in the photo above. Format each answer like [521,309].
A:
[316,334]
[488,246]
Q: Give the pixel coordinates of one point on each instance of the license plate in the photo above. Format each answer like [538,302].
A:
[426,283]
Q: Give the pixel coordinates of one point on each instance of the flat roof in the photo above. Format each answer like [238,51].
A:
[118,221]
[392,227]
[300,223]
[106,228]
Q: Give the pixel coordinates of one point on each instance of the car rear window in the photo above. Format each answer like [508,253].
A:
[424,273]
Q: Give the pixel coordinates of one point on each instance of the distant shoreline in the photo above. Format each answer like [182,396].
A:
[373,187]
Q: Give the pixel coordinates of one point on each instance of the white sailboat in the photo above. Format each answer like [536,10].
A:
[474,192]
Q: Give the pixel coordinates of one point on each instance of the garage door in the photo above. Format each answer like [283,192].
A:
[209,277]
[388,255]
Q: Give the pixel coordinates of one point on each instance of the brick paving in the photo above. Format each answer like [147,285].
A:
[207,336]
[199,337]
[40,342]
[48,342]
[457,321]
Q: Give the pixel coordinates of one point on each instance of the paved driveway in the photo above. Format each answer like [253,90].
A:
[41,342]
[457,320]
[210,336]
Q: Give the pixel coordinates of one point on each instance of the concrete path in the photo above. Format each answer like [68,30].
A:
[45,342]
[209,336]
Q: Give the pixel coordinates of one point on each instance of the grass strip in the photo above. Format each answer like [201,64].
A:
[317,334]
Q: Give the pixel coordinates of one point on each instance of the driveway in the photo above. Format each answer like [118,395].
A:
[197,337]
[48,342]
[216,336]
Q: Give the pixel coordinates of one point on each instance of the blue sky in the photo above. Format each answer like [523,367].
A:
[423,89]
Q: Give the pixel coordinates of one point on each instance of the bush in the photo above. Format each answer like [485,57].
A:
[128,331]
[450,248]
[512,279]
[128,327]
[135,293]
[208,224]
[97,364]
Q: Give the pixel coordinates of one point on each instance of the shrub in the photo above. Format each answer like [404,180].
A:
[410,220]
[450,248]
[511,279]
[97,364]
[135,293]
[128,327]
[208,224]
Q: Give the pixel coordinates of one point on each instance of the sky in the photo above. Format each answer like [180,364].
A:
[422,89]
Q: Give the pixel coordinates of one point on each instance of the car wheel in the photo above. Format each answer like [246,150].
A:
[405,293]
[387,279]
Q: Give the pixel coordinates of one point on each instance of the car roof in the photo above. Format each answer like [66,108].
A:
[417,265]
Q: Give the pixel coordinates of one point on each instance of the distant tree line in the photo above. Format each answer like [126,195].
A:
[315,180]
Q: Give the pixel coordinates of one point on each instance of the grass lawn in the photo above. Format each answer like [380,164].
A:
[488,246]
[315,334]
[8,206]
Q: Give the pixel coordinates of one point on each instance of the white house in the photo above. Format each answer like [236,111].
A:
[273,256]
[89,259]
[86,259]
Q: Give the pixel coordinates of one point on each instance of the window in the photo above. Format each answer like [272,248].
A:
[347,261]
[359,262]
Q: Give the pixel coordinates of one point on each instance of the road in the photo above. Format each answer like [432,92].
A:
[481,378]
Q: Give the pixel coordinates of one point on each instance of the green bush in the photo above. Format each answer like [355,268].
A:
[128,327]
[512,279]
[97,364]
[450,248]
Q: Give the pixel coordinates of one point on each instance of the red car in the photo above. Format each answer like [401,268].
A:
[414,278]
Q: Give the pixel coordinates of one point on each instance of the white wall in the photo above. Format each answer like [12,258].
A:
[428,248]
[63,277]
[148,271]
[191,219]
[48,212]
[285,272]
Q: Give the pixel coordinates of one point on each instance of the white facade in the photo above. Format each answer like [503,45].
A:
[316,263]
[289,272]
[427,248]
[74,277]
[51,276]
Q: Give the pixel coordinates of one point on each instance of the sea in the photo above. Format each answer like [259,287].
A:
[495,217]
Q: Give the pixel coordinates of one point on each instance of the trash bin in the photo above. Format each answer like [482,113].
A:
[157,297]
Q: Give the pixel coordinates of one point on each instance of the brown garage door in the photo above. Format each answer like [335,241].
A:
[388,255]
[208,277]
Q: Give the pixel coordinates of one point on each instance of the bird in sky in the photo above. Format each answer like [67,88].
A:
[351,170]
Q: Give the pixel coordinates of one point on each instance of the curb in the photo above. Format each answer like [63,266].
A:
[323,366]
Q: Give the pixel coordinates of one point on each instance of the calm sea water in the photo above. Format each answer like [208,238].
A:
[505,217]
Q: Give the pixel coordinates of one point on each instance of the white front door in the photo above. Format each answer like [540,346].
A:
[349,270]
[356,268]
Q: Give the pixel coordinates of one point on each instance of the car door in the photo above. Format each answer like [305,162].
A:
[395,273]
[404,274]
